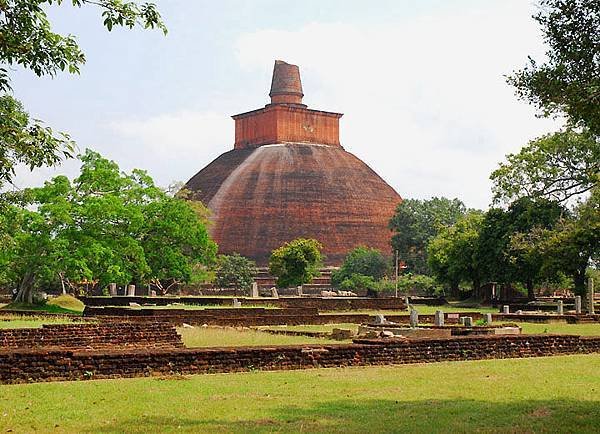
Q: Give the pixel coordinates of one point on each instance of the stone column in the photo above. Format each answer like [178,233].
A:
[505,309]
[131,290]
[591,296]
[237,303]
[469,321]
[274,293]
[254,290]
[559,307]
[112,289]
[299,291]
[414,318]
[438,319]
[488,318]
[578,304]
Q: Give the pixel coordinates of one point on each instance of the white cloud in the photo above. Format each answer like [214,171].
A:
[425,101]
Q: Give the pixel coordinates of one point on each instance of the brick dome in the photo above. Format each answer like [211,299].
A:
[289,177]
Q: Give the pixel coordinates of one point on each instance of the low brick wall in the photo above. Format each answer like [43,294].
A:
[332,303]
[106,335]
[52,365]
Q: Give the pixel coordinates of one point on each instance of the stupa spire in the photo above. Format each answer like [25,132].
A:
[286,87]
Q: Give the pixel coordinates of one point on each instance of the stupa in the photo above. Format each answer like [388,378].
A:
[288,177]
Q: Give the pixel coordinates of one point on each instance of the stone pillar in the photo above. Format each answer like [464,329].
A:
[438,319]
[131,290]
[505,309]
[112,289]
[254,290]
[578,304]
[469,321]
[407,302]
[591,296]
[414,318]
[560,308]
[236,303]
[380,319]
[299,290]
[488,318]
[274,293]
[153,293]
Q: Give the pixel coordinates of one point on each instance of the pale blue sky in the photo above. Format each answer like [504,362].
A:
[420,83]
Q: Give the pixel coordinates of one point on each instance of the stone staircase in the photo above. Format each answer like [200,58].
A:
[320,283]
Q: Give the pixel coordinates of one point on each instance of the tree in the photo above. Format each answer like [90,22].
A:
[235,271]
[498,258]
[557,166]
[363,261]
[416,222]
[27,40]
[105,226]
[452,253]
[568,83]
[571,246]
[297,262]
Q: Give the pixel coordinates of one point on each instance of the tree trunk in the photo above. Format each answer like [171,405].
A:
[454,290]
[530,290]
[476,288]
[25,292]
[579,281]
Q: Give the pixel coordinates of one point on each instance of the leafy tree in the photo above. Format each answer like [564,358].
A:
[416,222]
[362,261]
[419,283]
[297,262]
[235,271]
[452,253]
[498,258]
[358,281]
[105,226]
[27,40]
[557,166]
[568,82]
[571,246]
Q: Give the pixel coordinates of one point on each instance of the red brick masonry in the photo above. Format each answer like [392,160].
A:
[53,365]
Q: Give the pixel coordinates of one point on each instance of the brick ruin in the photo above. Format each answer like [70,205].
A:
[287,177]
[24,365]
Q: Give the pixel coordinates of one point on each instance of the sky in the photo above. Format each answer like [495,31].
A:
[421,84]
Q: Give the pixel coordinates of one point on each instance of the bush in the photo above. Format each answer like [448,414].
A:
[362,261]
[235,271]
[297,262]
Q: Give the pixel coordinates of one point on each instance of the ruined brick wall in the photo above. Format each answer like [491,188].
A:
[26,365]
[322,304]
[106,335]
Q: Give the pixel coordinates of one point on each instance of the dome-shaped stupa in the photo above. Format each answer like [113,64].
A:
[289,177]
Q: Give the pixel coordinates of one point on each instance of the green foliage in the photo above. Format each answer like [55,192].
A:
[361,261]
[105,226]
[357,281]
[419,283]
[416,222]
[297,262]
[557,166]
[499,259]
[27,141]
[27,40]
[568,83]
[235,271]
[571,246]
[452,253]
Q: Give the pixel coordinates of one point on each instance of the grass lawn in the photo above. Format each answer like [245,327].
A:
[230,337]
[18,321]
[421,308]
[559,328]
[553,394]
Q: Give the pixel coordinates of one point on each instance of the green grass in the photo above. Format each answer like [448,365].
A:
[67,302]
[27,321]
[42,308]
[560,328]
[231,337]
[554,394]
[421,308]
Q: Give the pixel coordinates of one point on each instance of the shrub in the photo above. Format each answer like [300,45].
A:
[297,262]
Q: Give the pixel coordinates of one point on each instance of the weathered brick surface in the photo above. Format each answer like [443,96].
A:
[323,304]
[106,335]
[27,365]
